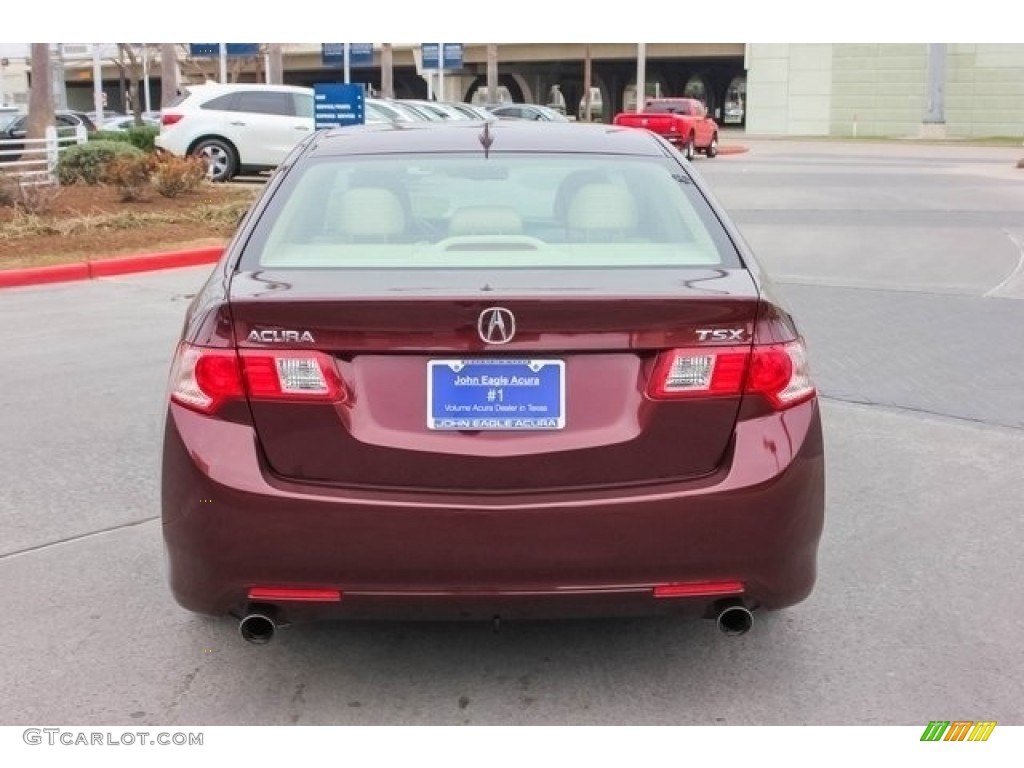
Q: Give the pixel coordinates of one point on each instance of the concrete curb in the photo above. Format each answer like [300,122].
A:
[121,265]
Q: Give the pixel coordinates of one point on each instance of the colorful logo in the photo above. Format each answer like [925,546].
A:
[958,730]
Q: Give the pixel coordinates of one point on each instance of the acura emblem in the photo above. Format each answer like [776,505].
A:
[496,325]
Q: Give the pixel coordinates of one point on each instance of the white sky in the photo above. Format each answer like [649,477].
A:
[792,21]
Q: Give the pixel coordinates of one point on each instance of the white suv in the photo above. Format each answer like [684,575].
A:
[237,127]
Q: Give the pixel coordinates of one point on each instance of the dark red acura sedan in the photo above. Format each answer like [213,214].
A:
[488,371]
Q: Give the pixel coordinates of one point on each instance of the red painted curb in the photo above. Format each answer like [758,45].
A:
[38,275]
[733,149]
[122,265]
[125,265]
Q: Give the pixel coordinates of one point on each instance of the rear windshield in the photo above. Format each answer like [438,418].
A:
[182,94]
[509,210]
[673,107]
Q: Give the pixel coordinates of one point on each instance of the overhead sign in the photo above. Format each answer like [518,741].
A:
[233,49]
[359,54]
[338,104]
[433,56]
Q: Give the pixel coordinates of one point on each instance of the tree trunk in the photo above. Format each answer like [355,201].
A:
[134,93]
[40,105]
[492,73]
[387,71]
[130,67]
[168,74]
[587,77]
[122,84]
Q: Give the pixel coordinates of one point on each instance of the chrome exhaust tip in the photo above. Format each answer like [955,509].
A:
[257,628]
[734,620]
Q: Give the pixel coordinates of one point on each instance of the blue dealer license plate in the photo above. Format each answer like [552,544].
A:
[496,394]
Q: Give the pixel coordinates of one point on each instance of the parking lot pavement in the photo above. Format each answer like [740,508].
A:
[81,396]
[938,219]
[915,612]
[954,355]
[912,616]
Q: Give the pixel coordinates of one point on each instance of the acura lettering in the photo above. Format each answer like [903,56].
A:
[280,337]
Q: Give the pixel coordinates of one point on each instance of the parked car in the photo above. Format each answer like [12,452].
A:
[596,106]
[66,122]
[437,109]
[528,112]
[376,115]
[108,114]
[479,97]
[125,123]
[14,129]
[733,113]
[416,109]
[387,110]
[237,127]
[683,122]
[512,371]
[473,112]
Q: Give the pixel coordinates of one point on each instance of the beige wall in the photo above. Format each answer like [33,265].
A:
[767,88]
[985,90]
[789,88]
[880,89]
[883,88]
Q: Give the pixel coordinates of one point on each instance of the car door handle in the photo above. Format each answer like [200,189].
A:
[301,128]
[237,122]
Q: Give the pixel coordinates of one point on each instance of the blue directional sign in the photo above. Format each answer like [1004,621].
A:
[338,104]
[233,49]
[452,56]
[359,54]
[432,56]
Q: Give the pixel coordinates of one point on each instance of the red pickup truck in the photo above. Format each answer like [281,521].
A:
[684,122]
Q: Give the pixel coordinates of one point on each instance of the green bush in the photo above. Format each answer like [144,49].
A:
[141,136]
[109,136]
[87,162]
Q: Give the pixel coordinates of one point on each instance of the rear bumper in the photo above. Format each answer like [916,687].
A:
[229,525]
[167,142]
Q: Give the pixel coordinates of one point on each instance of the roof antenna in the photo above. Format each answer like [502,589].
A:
[486,139]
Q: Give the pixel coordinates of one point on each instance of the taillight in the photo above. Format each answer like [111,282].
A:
[780,373]
[777,372]
[703,372]
[298,375]
[170,118]
[204,379]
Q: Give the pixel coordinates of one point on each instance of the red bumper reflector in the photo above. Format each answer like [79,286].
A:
[290,594]
[699,589]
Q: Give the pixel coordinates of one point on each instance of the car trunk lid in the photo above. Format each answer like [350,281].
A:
[400,343]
